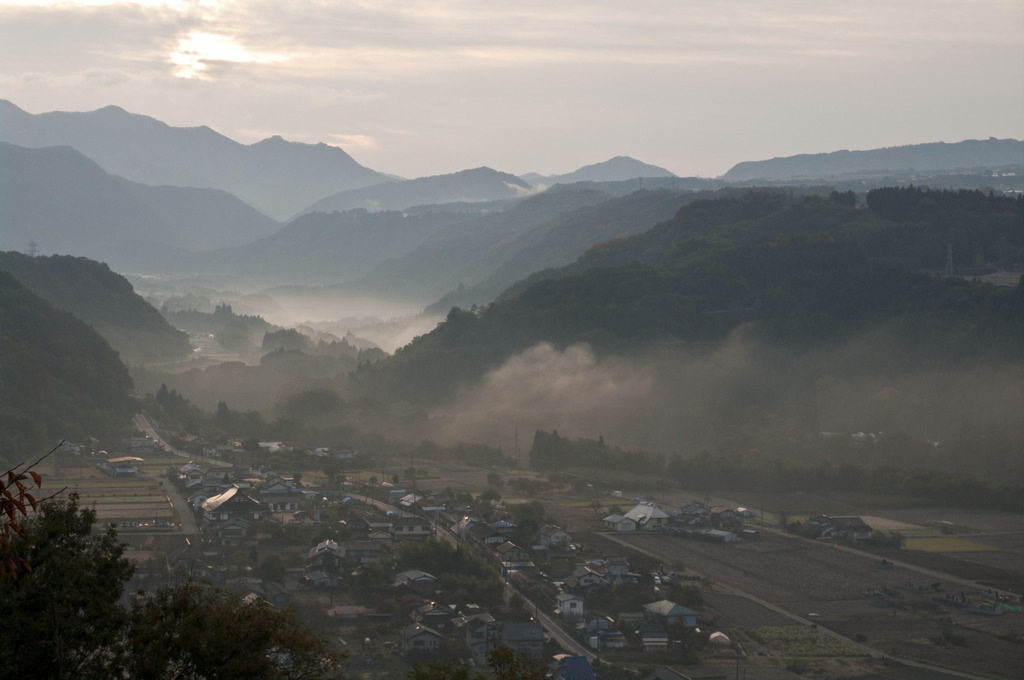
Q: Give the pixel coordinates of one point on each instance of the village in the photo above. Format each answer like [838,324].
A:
[409,568]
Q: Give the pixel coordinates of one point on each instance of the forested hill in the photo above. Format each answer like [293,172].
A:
[59,378]
[103,299]
[804,271]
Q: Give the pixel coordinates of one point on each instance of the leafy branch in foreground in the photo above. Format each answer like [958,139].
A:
[15,499]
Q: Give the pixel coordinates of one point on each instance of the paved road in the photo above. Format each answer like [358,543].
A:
[549,623]
[186,517]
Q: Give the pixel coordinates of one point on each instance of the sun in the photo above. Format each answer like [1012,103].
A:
[195,51]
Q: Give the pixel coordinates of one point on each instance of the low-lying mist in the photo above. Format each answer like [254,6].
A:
[738,394]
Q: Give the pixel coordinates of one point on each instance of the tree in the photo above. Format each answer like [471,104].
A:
[62,620]
[197,632]
[272,568]
[13,502]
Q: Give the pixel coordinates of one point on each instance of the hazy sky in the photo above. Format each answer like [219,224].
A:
[418,88]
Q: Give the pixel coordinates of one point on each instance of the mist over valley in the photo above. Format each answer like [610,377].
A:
[481,341]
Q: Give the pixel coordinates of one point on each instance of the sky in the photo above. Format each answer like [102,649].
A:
[419,88]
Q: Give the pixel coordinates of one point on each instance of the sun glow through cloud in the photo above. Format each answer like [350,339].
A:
[414,83]
[196,50]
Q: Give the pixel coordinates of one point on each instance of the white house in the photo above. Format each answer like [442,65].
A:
[648,517]
[569,606]
[554,536]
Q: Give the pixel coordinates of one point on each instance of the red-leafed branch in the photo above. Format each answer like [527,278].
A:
[16,499]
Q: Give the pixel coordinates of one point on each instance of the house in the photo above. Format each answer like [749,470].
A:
[192,475]
[480,632]
[511,554]
[415,528]
[653,637]
[568,606]
[230,505]
[721,536]
[619,523]
[524,638]
[324,562]
[358,526]
[434,616]
[483,535]
[572,668]
[504,527]
[280,501]
[231,532]
[670,613]
[418,637]
[410,501]
[852,528]
[190,560]
[594,625]
[583,579]
[360,552]
[561,563]
[419,582]
[721,514]
[552,536]
[648,517]
[615,568]
[611,639]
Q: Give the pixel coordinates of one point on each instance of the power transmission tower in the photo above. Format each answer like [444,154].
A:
[949,260]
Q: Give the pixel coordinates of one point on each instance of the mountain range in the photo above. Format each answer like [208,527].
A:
[66,203]
[930,158]
[480,184]
[139,195]
[611,170]
[277,177]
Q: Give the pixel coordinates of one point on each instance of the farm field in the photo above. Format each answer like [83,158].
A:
[138,499]
[828,586]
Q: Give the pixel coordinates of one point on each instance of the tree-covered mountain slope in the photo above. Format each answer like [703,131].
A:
[103,299]
[802,271]
[59,379]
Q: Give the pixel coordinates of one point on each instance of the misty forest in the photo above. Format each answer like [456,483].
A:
[261,364]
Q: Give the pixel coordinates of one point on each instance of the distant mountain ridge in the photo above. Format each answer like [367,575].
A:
[932,157]
[277,177]
[478,184]
[614,169]
[67,204]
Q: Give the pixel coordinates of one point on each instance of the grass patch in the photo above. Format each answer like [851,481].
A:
[945,544]
[803,641]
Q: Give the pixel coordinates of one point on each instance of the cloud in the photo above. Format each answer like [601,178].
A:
[356,141]
[521,86]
